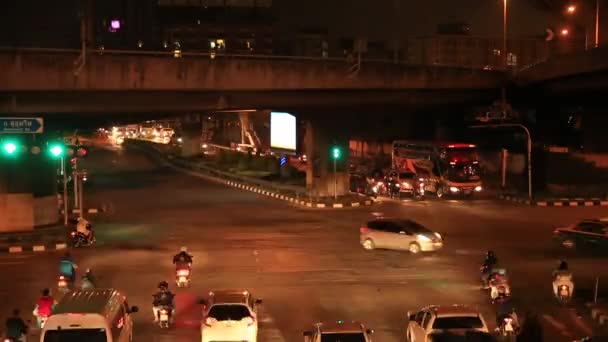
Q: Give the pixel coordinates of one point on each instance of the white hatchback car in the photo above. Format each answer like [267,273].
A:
[436,321]
[230,316]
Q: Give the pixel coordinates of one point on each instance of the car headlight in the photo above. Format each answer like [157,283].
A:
[454,189]
[423,238]
[478,188]
[438,235]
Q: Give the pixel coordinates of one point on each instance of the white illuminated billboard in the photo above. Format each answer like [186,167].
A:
[282,131]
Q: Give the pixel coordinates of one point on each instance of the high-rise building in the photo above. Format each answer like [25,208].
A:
[217,26]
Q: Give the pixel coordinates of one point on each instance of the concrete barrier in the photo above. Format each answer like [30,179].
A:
[17,212]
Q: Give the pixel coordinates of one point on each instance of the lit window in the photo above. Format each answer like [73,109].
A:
[212,44]
[165,44]
[221,44]
[114,25]
[140,44]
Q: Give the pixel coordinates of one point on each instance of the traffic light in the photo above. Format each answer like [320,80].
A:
[57,150]
[11,147]
[336,152]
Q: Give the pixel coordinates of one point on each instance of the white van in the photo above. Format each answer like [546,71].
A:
[96,315]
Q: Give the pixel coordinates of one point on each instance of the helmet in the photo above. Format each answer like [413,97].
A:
[490,254]
[184,249]
[163,284]
[563,265]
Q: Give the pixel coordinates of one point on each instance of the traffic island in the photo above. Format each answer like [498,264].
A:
[343,202]
[39,240]
[293,194]
[556,202]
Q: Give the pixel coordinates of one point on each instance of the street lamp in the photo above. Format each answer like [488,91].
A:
[571,9]
[564,32]
[504,53]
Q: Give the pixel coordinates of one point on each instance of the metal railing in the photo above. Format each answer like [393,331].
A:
[298,193]
[222,56]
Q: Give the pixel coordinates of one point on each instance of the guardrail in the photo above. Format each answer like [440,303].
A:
[207,55]
[280,189]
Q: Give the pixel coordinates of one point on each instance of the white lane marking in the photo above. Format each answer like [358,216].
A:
[557,325]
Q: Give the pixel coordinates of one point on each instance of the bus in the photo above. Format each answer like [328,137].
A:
[448,168]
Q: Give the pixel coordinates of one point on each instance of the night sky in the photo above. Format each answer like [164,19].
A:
[374,19]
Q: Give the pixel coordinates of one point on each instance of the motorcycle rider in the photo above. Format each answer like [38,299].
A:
[44,306]
[88,280]
[506,310]
[16,328]
[163,298]
[182,257]
[67,267]
[562,276]
[392,184]
[84,227]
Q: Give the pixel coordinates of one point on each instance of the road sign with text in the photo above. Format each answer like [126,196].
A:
[21,125]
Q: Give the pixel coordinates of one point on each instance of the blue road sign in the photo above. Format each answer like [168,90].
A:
[283,161]
[21,125]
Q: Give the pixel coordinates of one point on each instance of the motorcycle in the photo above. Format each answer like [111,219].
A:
[419,191]
[499,289]
[182,277]
[63,284]
[43,320]
[563,294]
[164,317]
[79,239]
[507,327]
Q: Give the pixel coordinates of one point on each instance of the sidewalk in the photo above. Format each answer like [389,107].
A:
[37,240]
[297,196]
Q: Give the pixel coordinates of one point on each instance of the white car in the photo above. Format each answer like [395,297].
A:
[338,332]
[230,316]
[446,320]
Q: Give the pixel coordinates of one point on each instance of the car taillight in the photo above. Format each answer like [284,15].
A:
[209,321]
[364,230]
[73,233]
[61,278]
[556,231]
[249,321]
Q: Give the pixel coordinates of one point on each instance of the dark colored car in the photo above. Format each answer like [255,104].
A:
[590,234]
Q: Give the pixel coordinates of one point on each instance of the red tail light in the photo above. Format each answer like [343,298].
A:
[61,278]
[249,320]
[364,230]
[73,234]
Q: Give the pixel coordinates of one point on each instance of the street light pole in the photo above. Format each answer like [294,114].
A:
[65,191]
[597,23]
[504,53]
[335,181]
[529,148]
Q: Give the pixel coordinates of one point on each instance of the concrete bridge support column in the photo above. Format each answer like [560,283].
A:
[191,137]
[320,137]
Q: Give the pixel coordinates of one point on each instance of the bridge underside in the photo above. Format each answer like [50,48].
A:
[169,102]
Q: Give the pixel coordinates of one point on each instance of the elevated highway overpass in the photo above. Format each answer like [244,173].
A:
[51,81]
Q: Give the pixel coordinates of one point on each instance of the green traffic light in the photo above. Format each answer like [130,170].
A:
[56,150]
[9,147]
[336,152]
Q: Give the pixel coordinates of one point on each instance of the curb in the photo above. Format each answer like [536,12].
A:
[261,191]
[296,200]
[599,313]
[562,202]
[35,248]
[89,211]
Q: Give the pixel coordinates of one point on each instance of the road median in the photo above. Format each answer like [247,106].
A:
[289,193]
[37,240]
[557,202]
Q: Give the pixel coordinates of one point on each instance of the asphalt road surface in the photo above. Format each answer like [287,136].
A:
[306,264]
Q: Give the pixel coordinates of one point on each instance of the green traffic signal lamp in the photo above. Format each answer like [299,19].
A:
[10,147]
[336,152]
[56,150]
